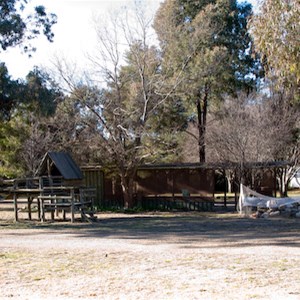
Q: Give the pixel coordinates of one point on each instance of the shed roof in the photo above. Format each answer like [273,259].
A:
[214,166]
[64,164]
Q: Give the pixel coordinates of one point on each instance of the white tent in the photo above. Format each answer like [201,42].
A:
[250,200]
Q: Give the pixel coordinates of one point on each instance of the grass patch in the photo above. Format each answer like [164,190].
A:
[11,256]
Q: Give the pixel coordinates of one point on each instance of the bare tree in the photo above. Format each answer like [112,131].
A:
[239,133]
[34,147]
[284,115]
[60,132]
[257,129]
[127,111]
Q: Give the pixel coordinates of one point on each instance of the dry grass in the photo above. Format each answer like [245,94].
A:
[152,256]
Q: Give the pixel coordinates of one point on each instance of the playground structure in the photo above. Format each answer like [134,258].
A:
[48,194]
[58,188]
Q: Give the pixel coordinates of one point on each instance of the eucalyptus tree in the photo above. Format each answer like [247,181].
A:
[211,40]
[18,27]
[275,29]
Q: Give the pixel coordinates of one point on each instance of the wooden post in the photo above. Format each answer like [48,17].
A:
[56,208]
[82,199]
[29,201]
[16,206]
[235,200]
[225,188]
[235,190]
[39,208]
[72,206]
[52,201]
[42,210]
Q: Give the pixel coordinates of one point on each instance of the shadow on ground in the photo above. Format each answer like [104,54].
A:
[183,229]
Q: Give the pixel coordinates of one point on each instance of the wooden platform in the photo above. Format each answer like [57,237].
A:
[54,199]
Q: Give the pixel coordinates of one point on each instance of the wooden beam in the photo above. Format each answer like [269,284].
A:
[16,206]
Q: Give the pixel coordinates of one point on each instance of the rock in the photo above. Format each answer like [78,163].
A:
[265,215]
[274,213]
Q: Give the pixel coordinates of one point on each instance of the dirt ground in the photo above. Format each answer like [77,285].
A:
[151,256]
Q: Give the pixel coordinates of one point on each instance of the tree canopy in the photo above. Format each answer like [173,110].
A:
[24,106]
[22,102]
[276,30]
[210,39]
[18,28]
[8,92]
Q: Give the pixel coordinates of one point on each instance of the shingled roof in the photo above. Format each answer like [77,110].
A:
[60,164]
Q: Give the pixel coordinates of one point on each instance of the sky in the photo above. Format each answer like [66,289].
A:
[74,34]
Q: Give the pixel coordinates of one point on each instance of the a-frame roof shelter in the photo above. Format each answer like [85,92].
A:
[59,164]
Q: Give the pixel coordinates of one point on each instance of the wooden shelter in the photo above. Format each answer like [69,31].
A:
[57,188]
[186,185]
[168,186]
[60,164]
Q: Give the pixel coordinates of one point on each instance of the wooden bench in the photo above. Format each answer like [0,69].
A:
[53,203]
[82,202]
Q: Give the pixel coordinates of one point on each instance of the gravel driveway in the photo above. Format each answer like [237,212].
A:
[152,256]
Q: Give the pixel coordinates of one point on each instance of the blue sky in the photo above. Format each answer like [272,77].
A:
[74,34]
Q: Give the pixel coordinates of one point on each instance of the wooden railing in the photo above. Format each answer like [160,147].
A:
[194,203]
[49,195]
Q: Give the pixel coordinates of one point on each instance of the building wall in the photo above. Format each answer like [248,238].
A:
[175,181]
[94,178]
[167,181]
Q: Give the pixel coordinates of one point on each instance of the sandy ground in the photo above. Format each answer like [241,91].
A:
[151,256]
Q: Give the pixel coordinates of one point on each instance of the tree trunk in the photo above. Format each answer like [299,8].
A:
[229,175]
[202,115]
[127,182]
[128,175]
[283,182]
[229,188]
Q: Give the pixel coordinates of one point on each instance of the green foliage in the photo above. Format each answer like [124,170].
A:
[276,35]
[23,137]
[41,92]
[207,45]
[17,28]
[213,40]
[12,134]
[38,92]
[11,93]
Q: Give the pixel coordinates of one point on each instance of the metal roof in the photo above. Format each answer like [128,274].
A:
[64,164]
